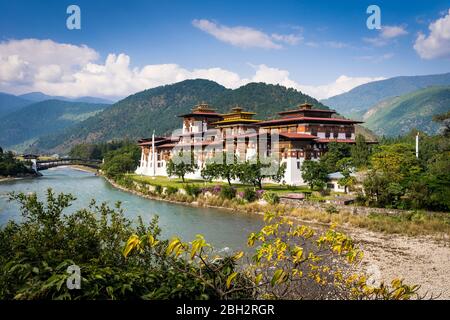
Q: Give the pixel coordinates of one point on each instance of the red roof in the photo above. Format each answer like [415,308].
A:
[336,140]
[199,113]
[306,119]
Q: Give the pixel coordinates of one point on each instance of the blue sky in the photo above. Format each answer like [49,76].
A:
[320,47]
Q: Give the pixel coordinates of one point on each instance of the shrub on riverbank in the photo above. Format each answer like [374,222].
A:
[228,192]
[9,166]
[118,260]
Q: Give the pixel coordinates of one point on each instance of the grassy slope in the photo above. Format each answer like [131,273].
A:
[399,115]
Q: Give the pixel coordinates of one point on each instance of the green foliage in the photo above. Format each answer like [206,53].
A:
[193,190]
[398,179]
[335,153]
[314,174]
[360,152]
[228,192]
[219,168]
[96,150]
[170,190]
[9,166]
[249,194]
[181,164]
[159,189]
[253,172]
[271,197]
[35,254]
[331,209]
[118,260]
[122,160]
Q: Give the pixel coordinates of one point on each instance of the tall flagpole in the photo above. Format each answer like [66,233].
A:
[417,145]
[153,154]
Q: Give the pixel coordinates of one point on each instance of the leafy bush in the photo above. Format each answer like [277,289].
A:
[228,192]
[158,189]
[271,197]
[193,190]
[249,194]
[35,255]
[121,161]
[121,261]
[9,166]
[331,209]
[171,190]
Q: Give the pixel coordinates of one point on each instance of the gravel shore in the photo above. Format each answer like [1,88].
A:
[418,260]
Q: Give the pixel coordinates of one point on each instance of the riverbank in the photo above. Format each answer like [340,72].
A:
[21,177]
[82,168]
[417,258]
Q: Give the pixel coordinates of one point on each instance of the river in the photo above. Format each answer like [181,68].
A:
[225,230]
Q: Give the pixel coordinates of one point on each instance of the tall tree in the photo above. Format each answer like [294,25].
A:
[181,164]
[314,173]
[360,152]
[336,151]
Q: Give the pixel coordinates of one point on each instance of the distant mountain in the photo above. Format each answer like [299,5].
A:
[39,96]
[365,96]
[20,128]
[398,115]
[10,103]
[157,109]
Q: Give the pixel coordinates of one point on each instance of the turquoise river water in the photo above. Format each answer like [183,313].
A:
[226,230]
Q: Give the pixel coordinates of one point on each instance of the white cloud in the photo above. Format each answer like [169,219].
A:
[291,39]
[245,37]
[376,58]
[437,43]
[340,85]
[387,33]
[32,65]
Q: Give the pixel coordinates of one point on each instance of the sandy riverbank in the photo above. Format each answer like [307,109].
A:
[421,260]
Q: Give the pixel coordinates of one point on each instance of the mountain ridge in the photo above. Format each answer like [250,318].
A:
[365,96]
[23,126]
[398,115]
[157,108]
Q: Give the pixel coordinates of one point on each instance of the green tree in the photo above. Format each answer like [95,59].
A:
[254,172]
[10,166]
[360,152]
[336,151]
[122,160]
[181,164]
[314,173]
[218,168]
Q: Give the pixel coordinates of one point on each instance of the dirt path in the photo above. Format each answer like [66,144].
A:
[418,260]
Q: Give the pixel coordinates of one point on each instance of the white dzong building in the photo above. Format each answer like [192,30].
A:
[297,135]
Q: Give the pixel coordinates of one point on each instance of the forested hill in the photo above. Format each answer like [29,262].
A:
[137,115]
[10,103]
[360,99]
[20,128]
[397,116]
